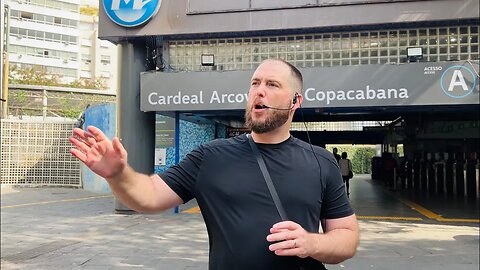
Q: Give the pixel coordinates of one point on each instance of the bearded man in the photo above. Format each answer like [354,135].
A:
[244,227]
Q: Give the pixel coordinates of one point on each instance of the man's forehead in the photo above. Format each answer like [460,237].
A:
[272,70]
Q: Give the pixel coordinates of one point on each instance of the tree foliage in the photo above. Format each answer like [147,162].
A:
[91,11]
[361,160]
[361,157]
[97,83]
[31,76]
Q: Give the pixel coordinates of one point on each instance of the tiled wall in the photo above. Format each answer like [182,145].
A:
[191,136]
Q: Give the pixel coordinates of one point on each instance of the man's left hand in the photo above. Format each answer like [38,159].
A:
[289,239]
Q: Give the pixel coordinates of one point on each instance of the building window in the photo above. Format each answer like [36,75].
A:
[44,19]
[41,35]
[105,59]
[86,58]
[328,49]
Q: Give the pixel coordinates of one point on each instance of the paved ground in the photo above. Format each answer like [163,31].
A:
[62,228]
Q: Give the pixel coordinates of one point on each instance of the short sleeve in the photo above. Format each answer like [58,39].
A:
[181,178]
[335,203]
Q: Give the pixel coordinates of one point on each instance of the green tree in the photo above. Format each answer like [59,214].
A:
[361,160]
[32,76]
[37,76]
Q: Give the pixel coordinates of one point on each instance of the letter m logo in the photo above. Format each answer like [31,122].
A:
[137,4]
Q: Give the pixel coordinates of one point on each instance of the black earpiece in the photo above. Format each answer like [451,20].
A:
[295,99]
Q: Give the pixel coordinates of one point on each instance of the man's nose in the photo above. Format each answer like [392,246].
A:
[260,90]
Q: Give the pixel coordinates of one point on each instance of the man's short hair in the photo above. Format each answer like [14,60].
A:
[297,84]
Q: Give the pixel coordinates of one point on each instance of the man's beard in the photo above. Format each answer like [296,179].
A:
[274,119]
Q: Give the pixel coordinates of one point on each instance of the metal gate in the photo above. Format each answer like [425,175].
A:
[35,152]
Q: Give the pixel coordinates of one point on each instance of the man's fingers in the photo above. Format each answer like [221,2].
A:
[100,148]
[78,154]
[80,145]
[281,236]
[284,248]
[97,133]
[118,147]
[286,225]
[82,133]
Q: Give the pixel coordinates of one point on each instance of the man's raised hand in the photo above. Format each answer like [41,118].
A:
[104,157]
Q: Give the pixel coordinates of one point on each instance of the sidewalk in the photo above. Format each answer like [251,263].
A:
[62,228]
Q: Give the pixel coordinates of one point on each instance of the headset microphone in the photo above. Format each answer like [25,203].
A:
[293,104]
[268,107]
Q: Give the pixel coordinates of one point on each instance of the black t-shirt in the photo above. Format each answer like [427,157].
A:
[224,176]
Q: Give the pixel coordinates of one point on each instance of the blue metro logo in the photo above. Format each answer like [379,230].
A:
[131,13]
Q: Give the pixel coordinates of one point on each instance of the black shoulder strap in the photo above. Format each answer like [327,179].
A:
[268,180]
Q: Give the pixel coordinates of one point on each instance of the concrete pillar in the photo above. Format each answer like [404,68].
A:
[135,129]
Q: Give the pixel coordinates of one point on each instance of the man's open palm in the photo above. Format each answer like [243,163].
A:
[104,157]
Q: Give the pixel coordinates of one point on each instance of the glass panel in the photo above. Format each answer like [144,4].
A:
[474,39]
[364,42]
[423,41]
[443,40]
[355,44]
[309,46]
[403,38]
[39,35]
[327,45]
[453,49]
[413,41]
[345,44]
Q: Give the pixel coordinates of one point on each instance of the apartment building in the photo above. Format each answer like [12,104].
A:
[44,35]
[98,58]
[53,36]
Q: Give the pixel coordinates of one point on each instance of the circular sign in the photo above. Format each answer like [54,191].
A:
[131,13]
